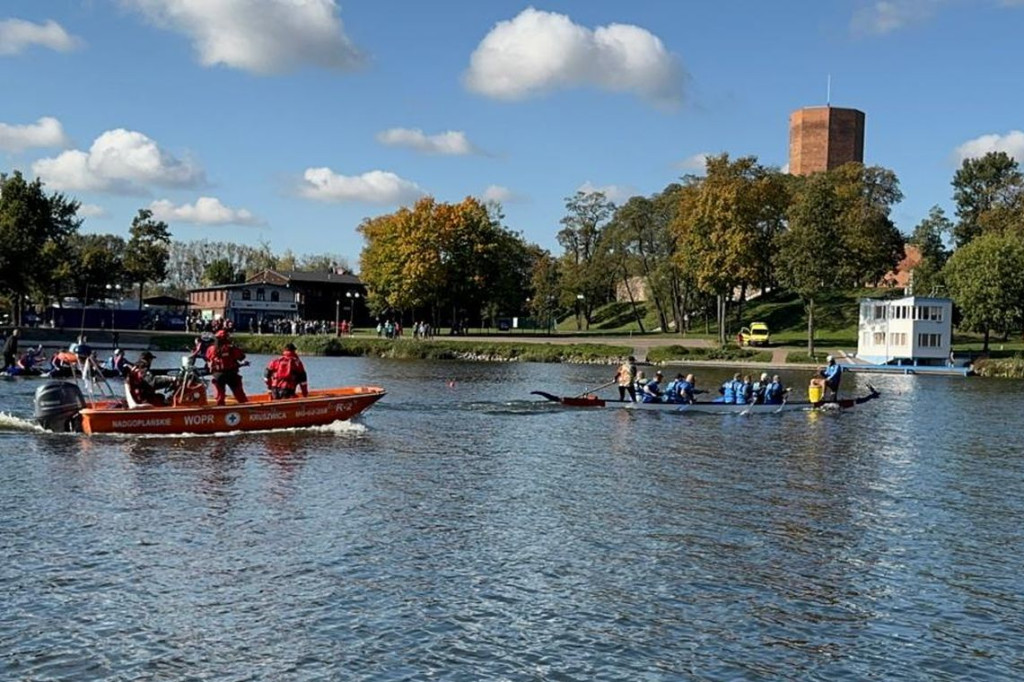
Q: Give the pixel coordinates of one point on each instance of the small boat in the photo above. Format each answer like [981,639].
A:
[61,406]
[590,400]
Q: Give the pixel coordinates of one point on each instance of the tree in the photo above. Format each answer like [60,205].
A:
[727,223]
[443,256]
[34,230]
[221,272]
[585,269]
[984,280]
[872,245]
[979,186]
[99,262]
[148,251]
[808,260]
[928,239]
[545,286]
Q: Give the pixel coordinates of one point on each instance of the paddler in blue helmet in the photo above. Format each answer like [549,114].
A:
[833,374]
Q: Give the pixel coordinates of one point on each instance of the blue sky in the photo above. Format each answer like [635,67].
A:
[290,121]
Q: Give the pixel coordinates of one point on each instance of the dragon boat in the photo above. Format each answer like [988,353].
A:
[591,400]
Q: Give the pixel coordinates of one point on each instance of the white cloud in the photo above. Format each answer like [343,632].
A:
[206,211]
[17,35]
[696,163]
[540,51]
[618,194]
[261,36]
[92,211]
[375,187]
[886,16]
[119,161]
[500,194]
[1012,143]
[46,132]
[450,142]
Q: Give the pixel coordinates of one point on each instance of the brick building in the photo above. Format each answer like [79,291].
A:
[823,138]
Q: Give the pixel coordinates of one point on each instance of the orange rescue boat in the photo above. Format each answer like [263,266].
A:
[60,406]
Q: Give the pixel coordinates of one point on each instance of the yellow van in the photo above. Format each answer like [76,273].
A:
[756,334]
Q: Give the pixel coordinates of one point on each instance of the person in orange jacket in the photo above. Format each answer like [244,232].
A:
[286,373]
[224,358]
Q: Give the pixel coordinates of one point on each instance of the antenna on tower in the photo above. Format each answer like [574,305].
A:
[828,92]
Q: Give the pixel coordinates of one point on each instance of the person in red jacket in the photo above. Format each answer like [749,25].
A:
[286,373]
[223,359]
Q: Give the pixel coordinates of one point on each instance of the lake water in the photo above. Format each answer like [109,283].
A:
[461,530]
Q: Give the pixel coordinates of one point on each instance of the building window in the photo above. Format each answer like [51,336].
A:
[929,340]
[261,295]
[936,313]
[865,338]
[879,338]
[246,295]
[880,312]
[275,296]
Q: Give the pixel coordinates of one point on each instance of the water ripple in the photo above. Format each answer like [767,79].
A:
[462,531]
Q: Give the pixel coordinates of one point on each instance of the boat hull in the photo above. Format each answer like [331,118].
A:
[710,407]
[321,407]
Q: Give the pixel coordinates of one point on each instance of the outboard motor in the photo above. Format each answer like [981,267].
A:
[57,404]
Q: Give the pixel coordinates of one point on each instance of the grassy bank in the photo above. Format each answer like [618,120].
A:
[1003,368]
[413,349]
[687,353]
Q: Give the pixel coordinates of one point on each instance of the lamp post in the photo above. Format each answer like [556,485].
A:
[110,289]
[337,316]
[579,309]
[353,296]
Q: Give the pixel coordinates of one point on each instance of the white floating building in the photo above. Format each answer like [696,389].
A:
[911,331]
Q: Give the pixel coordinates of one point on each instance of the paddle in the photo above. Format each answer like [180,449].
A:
[596,389]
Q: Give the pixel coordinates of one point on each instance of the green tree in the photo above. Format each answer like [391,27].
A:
[809,260]
[872,245]
[586,274]
[928,239]
[99,263]
[727,224]
[34,230]
[980,186]
[545,286]
[221,272]
[984,279]
[148,251]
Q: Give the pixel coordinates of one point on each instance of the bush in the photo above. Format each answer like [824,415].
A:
[727,354]
[1004,368]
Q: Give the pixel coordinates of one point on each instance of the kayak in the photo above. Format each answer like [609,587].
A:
[590,400]
[61,406]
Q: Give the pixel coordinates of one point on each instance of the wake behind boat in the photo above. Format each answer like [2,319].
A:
[591,400]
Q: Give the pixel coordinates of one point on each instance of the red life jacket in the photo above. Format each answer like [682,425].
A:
[140,390]
[225,357]
[287,371]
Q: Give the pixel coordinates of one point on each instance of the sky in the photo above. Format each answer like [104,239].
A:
[289,122]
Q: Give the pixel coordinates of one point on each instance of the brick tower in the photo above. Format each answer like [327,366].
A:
[823,138]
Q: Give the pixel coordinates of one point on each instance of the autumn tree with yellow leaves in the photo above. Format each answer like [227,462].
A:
[449,262]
